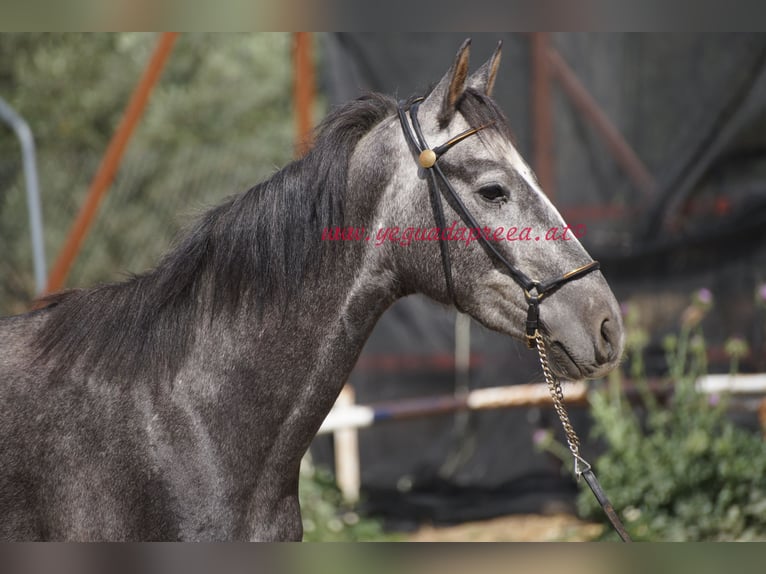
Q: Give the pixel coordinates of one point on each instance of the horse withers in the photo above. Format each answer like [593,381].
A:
[177,405]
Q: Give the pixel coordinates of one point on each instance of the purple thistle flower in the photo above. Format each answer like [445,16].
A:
[705,296]
[540,436]
[762,293]
[713,399]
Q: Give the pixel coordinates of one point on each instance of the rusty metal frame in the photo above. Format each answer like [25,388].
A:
[110,162]
[549,65]
[304,90]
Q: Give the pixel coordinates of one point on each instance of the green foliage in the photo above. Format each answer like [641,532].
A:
[219,121]
[326,517]
[682,472]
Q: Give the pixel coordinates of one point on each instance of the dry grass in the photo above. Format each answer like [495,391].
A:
[513,528]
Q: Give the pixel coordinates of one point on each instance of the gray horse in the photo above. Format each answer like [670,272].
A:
[177,405]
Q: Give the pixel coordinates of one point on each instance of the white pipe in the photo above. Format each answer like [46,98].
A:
[347,417]
[358,416]
[523,395]
[347,471]
[461,443]
[462,353]
[27,141]
[740,384]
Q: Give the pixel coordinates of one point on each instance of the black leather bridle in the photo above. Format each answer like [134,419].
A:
[534,291]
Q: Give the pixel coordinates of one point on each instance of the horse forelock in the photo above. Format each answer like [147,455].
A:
[479,109]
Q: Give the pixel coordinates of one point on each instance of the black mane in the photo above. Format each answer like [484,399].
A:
[263,242]
[259,246]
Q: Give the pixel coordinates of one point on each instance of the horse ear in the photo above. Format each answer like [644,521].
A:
[449,89]
[483,79]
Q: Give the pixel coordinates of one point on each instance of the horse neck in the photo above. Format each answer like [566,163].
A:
[277,372]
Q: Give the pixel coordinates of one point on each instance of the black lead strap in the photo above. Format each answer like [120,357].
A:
[534,291]
[603,500]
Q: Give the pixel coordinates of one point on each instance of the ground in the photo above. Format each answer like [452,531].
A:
[513,528]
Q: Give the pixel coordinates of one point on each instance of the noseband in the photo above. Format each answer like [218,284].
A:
[534,291]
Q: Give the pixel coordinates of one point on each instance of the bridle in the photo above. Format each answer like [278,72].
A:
[534,291]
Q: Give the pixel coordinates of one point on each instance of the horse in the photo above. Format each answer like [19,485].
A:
[178,403]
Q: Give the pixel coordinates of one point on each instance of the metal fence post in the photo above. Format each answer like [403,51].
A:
[27,141]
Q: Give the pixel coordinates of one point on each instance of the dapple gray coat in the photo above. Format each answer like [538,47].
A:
[177,405]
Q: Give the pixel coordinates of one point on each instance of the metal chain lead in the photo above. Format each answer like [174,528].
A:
[557,394]
[581,466]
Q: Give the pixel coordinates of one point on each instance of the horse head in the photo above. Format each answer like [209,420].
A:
[580,319]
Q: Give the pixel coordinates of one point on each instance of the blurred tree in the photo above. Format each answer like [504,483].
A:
[219,121]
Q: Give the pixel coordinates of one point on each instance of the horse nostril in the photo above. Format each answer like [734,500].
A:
[606,347]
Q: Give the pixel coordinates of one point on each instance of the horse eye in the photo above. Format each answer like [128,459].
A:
[493,193]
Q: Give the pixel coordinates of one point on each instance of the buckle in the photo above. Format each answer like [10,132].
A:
[533,318]
[580,465]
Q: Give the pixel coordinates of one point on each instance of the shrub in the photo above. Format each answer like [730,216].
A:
[326,517]
[681,472]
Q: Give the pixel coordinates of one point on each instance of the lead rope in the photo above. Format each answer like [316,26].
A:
[581,466]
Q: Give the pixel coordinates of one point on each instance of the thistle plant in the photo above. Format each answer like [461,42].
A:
[678,471]
[735,348]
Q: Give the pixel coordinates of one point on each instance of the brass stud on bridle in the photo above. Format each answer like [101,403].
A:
[427,158]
